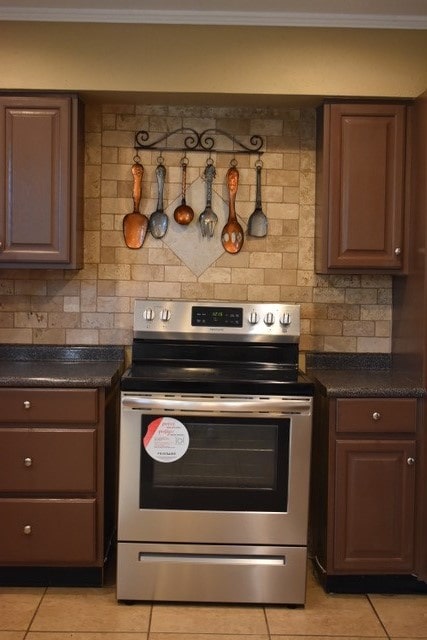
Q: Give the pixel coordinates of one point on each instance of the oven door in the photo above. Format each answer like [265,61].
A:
[220,469]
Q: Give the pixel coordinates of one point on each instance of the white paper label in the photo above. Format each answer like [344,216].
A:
[166,439]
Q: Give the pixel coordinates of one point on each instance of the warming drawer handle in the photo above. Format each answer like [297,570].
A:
[223,404]
[211,559]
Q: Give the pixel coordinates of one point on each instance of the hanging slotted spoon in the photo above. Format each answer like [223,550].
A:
[159,221]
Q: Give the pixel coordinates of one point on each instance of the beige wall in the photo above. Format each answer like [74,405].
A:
[94,305]
[185,60]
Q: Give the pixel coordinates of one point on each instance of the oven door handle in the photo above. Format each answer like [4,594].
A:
[218,405]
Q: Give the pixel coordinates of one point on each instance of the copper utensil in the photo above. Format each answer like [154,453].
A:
[159,221]
[258,223]
[135,224]
[208,217]
[183,213]
[232,233]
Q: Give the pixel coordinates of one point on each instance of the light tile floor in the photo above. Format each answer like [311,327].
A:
[94,614]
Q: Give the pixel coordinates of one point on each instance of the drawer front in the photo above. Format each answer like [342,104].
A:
[376,415]
[49,405]
[47,460]
[47,532]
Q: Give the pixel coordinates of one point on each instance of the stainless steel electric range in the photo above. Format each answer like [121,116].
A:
[215,442]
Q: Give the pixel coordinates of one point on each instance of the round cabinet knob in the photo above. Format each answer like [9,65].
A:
[27,529]
[253,317]
[285,319]
[27,404]
[397,251]
[165,315]
[410,461]
[269,319]
[376,415]
[28,462]
[148,314]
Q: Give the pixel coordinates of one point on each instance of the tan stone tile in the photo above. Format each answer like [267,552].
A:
[374,345]
[64,635]
[88,610]
[205,636]
[402,615]
[203,619]
[12,635]
[326,615]
[17,607]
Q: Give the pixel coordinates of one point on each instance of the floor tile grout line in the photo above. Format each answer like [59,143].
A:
[377,615]
[27,631]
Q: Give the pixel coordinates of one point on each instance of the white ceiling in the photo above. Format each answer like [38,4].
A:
[379,14]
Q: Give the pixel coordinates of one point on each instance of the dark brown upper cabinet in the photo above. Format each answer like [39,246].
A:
[41,181]
[360,188]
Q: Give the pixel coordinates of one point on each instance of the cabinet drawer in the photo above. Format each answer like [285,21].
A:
[47,460]
[376,415]
[46,532]
[49,405]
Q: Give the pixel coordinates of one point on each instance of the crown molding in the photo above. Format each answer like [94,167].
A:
[236,18]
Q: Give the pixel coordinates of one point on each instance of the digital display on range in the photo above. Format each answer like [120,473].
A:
[217,317]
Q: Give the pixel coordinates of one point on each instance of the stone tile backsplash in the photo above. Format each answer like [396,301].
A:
[94,305]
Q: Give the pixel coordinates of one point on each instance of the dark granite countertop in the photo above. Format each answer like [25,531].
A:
[58,366]
[361,375]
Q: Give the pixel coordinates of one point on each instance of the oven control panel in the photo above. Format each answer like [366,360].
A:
[269,322]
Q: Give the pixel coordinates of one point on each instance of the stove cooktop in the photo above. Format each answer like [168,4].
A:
[253,380]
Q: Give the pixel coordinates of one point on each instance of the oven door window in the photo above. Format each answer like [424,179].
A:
[229,465]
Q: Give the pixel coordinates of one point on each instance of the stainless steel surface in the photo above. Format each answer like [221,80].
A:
[212,573]
[226,405]
[175,545]
[263,322]
[258,222]
[208,218]
[159,222]
[224,527]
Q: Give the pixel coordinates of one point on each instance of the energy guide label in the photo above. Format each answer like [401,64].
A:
[166,439]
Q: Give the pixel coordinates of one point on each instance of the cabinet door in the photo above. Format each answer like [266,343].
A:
[39,215]
[374,506]
[364,191]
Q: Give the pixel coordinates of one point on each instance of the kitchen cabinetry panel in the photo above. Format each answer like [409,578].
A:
[376,415]
[49,405]
[47,531]
[40,181]
[361,188]
[364,475]
[58,459]
[374,506]
[47,460]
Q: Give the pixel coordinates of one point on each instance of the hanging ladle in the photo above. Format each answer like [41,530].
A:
[232,233]
[258,223]
[159,221]
[183,213]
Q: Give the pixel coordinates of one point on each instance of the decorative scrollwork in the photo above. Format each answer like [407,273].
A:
[210,140]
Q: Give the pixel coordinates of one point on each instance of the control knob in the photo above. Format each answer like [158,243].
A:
[165,315]
[148,314]
[269,319]
[253,317]
[285,319]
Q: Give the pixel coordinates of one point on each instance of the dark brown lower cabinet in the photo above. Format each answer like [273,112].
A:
[363,487]
[58,484]
[374,506]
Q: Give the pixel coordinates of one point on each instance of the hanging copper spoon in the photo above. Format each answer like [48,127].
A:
[232,233]
[135,224]
[183,213]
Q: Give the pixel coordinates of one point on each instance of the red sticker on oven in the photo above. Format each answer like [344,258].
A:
[166,439]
